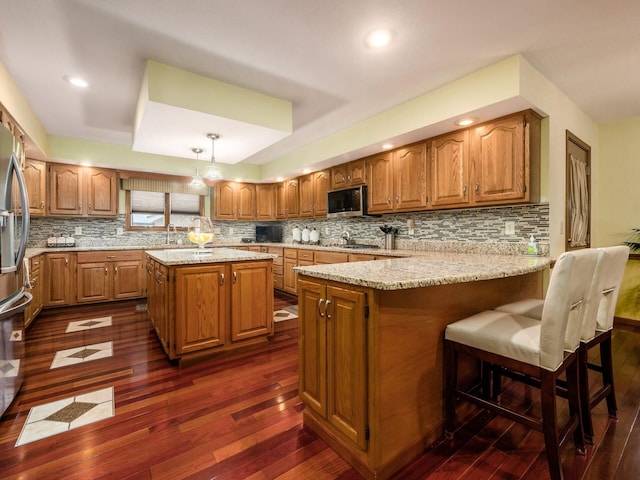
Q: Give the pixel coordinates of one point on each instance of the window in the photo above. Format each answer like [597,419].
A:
[156,210]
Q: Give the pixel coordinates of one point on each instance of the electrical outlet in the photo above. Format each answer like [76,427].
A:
[509,228]
[78,230]
[119,231]
[216,230]
[230,230]
[326,230]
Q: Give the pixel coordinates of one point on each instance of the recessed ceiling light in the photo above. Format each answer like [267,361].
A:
[306,170]
[76,81]
[279,179]
[387,146]
[379,38]
[237,179]
[463,122]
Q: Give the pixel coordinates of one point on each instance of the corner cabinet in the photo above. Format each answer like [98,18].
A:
[333,357]
[82,191]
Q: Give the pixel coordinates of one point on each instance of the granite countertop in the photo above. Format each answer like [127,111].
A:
[427,269]
[194,256]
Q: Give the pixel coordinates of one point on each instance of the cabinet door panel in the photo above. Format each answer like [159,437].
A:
[246,201]
[306,195]
[251,300]
[291,199]
[127,279]
[380,181]
[321,187]
[356,172]
[201,312]
[225,204]
[312,382]
[290,275]
[346,363]
[410,173]
[265,202]
[450,169]
[102,192]
[59,280]
[35,176]
[65,188]
[93,284]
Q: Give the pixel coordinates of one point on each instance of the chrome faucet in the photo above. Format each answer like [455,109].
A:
[169,232]
[346,237]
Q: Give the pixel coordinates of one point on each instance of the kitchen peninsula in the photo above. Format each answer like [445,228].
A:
[370,346]
[203,302]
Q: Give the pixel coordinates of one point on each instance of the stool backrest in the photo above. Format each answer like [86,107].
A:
[603,296]
[563,309]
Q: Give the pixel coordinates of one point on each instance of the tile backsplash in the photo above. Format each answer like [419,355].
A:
[442,229]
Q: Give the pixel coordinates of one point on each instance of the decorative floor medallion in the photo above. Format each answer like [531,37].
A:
[63,415]
[76,355]
[80,325]
[285,314]
[9,368]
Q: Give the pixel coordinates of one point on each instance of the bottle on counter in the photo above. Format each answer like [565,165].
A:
[305,235]
[532,248]
[297,235]
[314,236]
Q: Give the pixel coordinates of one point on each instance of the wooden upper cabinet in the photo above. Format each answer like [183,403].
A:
[503,153]
[281,200]
[82,191]
[35,176]
[450,170]
[380,183]
[265,201]
[235,201]
[410,178]
[313,194]
[348,174]
[102,192]
[292,207]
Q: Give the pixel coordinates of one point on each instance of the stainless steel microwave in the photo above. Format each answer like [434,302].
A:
[347,202]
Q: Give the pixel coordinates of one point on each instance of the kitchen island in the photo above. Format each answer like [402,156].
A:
[370,346]
[204,302]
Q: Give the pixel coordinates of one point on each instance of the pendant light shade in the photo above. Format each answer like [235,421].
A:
[197,180]
[213,171]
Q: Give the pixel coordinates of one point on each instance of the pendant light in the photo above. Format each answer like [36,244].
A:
[213,171]
[197,180]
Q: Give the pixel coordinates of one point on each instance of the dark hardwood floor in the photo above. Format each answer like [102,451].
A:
[240,417]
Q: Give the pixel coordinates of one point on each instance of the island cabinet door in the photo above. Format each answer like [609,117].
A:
[251,300]
[201,307]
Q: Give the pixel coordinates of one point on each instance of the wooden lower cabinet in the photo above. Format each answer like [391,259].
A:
[36,279]
[198,310]
[371,367]
[109,275]
[60,279]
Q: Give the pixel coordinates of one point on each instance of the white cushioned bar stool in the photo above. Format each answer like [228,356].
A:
[596,330]
[534,348]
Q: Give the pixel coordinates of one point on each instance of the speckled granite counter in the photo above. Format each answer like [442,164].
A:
[193,256]
[427,269]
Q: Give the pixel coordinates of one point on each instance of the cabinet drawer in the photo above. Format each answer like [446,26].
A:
[290,253]
[34,265]
[109,256]
[305,255]
[278,262]
[360,257]
[331,257]
[275,250]
[278,282]
[278,270]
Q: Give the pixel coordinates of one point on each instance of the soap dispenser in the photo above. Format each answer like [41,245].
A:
[532,248]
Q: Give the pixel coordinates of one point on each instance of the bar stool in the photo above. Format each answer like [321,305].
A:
[535,348]
[596,330]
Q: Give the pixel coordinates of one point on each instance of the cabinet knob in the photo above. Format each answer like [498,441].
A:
[115,270]
[477,188]
[235,277]
[326,311]
[106,272]
[397,199]
[320,310]
[464,190]
[42,204]
[389,199]
[222,279]
[111,256]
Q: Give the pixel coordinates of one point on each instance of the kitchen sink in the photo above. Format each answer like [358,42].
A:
[359,245]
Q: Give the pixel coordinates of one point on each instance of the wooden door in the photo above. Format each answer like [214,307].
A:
[65,189]
[164,314]
[410,178]
[346,358]
[305,184]
[339,176]
[500,170]
[450,170]
[320,188]
[312,346]
[35,176]
[201,312]
[292,209]
[59,279]
[357,172]
[246,201]
[127,279]
[94,282]
[102,192]
[265,201]
[290,275]
[225,201]
[251,300]
[380,181]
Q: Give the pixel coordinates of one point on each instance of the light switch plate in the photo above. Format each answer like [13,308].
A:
[119,231]
[78,230]
[509,228]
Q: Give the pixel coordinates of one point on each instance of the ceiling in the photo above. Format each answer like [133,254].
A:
[310,53]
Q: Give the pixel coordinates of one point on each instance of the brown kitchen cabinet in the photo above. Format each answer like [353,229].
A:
[35,176]
[82,191]
[158,302]
[251,287]
[450,170]
[109,275]
[36,277]
[348,174]
[265,201]
[234,201]
[290,261]
[59,279]
[278,266]
[323,257]
[313,194]
[287,201]
[333,357]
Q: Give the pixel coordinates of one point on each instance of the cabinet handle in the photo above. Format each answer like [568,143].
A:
[389,199]
[66,262]
[89,207]
[115,270]
[477,188]
[148,269]
[106,272]
[111,256]
[397,199]
[235,277]
[158,277]
[326,307]
[42,204]
[221,279]
[320,311]
[464,190]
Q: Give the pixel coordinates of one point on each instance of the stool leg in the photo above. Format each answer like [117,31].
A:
[450,387]
[583,388]
[573,396]
[550,423]
[606,360]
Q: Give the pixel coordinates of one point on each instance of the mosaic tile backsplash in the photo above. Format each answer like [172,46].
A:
[434,230]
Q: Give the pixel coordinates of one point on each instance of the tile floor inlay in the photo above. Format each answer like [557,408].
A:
[80,325]
[9,368]
[73,356]
[64,415]
[280,315]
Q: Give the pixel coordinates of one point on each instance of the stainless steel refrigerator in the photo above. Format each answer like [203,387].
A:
[14,233]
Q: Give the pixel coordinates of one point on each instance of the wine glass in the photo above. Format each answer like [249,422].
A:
[200,231]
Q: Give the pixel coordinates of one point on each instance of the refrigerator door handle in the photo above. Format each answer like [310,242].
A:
[24,199]
[16,308]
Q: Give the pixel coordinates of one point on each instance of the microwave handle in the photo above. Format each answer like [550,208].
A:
[24,200]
